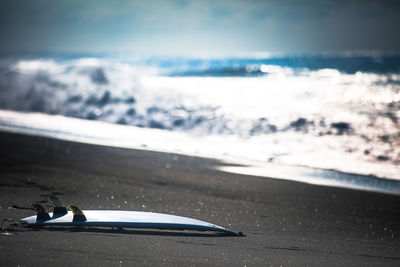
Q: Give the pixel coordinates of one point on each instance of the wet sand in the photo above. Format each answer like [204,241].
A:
[285,222]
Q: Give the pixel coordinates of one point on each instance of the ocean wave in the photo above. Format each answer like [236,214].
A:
[353,112]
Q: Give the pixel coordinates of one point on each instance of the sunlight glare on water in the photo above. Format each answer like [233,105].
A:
[242,108]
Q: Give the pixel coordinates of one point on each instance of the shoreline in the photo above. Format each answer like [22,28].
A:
[102,133]
[285,222]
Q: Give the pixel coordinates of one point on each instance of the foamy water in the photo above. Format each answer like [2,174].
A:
[341,117]
[101,133]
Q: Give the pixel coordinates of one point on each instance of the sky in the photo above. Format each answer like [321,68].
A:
[199,27]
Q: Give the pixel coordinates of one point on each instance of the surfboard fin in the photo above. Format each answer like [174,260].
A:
[59,209]
[78,213]
[40,212]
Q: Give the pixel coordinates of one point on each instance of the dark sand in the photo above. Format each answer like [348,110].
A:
[286,223]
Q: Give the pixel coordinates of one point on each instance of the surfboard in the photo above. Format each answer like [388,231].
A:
[127,219]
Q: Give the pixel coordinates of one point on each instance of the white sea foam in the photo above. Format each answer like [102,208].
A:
[322,118]
[96,132]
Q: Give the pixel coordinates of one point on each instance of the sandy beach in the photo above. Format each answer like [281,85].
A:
[285,222]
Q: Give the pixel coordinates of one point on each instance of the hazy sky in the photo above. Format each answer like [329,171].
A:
[199,27]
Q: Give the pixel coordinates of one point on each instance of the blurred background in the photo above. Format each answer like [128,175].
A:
[311,83]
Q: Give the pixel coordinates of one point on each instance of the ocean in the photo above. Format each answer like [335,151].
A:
[327,112]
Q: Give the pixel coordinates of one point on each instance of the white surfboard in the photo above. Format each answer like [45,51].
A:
[128,219]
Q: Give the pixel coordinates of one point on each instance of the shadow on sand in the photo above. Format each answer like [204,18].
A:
[122,231]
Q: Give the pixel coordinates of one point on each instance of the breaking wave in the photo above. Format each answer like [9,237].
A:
[284,108]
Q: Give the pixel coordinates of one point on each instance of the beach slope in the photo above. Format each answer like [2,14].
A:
[285,222]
